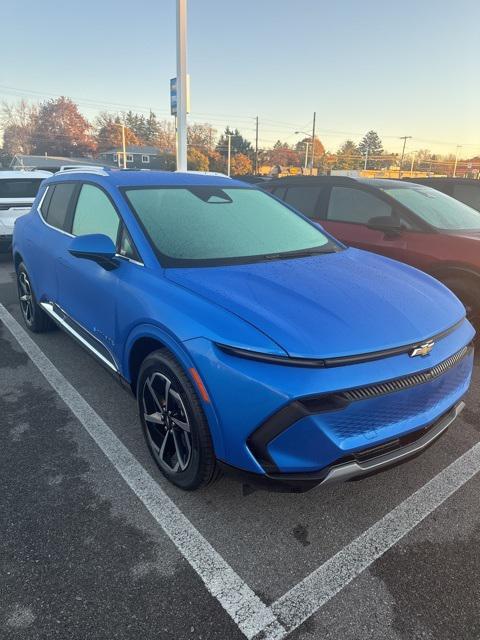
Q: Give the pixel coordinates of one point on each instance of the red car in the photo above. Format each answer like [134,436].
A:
[402,220]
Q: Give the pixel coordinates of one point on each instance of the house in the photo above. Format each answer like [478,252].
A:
[48,163]
[138,157]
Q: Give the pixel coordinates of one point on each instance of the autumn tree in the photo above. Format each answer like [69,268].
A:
[284,155]
[197,161]
[240,165]
[165,139]
[60,129]
[201,135]
[109,132]
[18,123]
[216,161]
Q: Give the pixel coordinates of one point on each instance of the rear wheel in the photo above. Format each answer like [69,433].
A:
[34,316]
[174,423]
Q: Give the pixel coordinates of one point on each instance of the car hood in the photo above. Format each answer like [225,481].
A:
[469,235]
[330,305]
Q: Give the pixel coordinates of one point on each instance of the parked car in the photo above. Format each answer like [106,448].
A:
[252,340]
[466,190]
[17,193]
[402,220]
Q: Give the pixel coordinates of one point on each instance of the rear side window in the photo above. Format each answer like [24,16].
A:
[60,199]
[95,213]
[19,187]
[354,205]
[305,199]
[468,194]
[278,192]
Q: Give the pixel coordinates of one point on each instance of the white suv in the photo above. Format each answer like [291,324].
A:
[17,193]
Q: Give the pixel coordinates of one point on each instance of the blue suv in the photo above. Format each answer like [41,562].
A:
[252,340]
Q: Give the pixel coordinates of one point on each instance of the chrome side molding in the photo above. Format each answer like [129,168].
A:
[50,310]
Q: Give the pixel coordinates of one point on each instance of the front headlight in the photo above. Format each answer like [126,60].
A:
[271,358]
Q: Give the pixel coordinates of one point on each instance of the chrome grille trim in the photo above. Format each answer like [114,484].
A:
[362,393]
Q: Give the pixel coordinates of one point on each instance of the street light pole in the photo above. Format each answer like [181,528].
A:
[404,138]
[229,136]
[306,153]
[313,142]
[256,145]
[459,146]
[412,163]
[181,85]
[124,147]
[366,158]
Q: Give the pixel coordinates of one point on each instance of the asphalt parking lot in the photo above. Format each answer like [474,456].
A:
[95,544]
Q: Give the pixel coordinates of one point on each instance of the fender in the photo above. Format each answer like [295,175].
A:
[445,269]
[147,330]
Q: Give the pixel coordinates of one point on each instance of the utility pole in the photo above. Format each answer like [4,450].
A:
[404,138]
[124,147]
[256,145]
[459,146]
[181,85]
[229,136]
[366,159]
[313,142]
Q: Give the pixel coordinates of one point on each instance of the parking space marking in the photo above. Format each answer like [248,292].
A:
[246,609]
[323,583]
[249,612]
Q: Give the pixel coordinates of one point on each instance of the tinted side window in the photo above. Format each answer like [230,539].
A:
[468,193]
[19,187]
[354,205]
[304,199]
[280,192]
[95,213]
[59,204]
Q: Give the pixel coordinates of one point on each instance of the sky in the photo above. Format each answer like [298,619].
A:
[400,68]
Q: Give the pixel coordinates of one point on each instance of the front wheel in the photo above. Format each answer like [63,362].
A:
[174,423]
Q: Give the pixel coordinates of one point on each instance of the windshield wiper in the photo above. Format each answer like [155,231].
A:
[302,253]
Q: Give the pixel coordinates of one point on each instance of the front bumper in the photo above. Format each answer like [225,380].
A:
[362,464]
[279,422]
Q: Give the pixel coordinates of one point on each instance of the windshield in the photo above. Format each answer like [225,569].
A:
[436,208]
[213,224]
[19,187]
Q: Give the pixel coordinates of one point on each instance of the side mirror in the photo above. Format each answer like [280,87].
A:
[96,247]
[387,224]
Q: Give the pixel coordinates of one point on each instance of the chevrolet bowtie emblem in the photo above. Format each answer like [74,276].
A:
[422,350]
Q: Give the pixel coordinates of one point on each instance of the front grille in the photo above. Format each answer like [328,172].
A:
[400,384]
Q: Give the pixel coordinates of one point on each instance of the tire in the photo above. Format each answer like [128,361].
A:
[176,431]
[34,317]
[468,292]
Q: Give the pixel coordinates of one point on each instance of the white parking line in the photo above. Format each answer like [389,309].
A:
[252,616]
[321,585]
[247,610]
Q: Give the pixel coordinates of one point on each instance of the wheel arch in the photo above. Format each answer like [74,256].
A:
[146,339]
[445,271]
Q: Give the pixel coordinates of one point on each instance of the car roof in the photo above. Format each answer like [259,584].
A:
[27,175]
[132,178]
[449,180]
[380,183]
